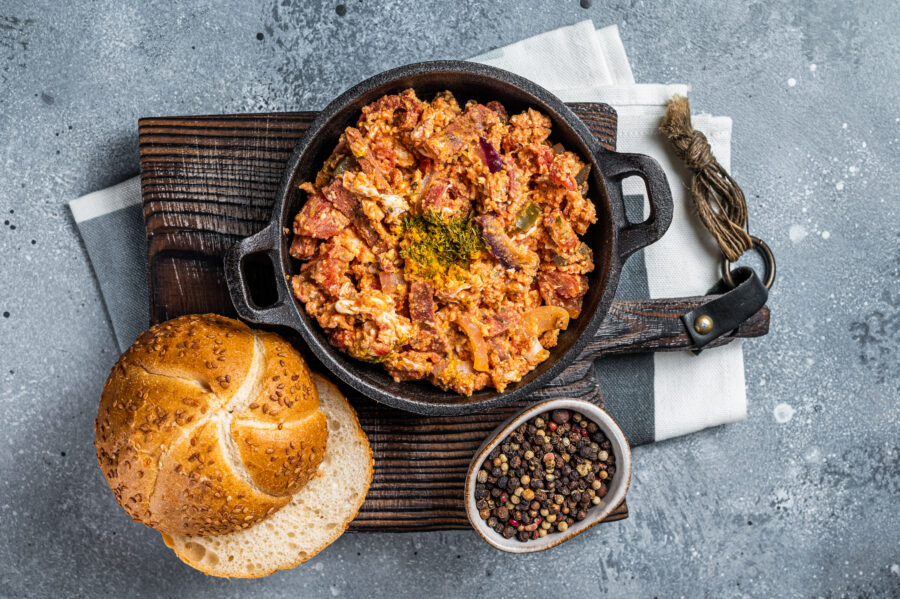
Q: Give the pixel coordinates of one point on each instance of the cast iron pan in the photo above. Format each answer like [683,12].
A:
[612,238]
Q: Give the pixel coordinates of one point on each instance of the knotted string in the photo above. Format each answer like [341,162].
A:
[717,196]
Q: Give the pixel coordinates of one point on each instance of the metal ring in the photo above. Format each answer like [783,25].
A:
[768,260]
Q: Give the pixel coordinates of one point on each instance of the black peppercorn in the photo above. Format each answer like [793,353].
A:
[560,416]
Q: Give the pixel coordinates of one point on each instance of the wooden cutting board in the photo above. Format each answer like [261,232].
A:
[209,181]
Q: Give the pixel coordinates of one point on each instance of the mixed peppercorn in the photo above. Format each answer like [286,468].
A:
[544,476]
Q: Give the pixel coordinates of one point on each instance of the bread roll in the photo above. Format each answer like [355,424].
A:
[206,426]
[316,516]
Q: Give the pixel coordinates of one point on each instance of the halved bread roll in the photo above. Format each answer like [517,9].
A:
[315,517]
[206,426]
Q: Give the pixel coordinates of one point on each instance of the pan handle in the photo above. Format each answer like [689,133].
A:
[633,236]
[282,311]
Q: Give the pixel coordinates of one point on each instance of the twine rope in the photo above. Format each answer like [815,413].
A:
[717,197]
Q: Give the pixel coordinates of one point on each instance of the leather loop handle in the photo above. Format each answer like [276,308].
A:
[728,311]
[617,167]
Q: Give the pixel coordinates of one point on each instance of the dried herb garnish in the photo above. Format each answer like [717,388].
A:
[435,248]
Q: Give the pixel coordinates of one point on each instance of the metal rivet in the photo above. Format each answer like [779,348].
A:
[703,324]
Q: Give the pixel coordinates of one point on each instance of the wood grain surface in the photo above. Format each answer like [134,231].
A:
[209,181]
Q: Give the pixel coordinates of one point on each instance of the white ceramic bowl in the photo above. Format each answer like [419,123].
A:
[616,490]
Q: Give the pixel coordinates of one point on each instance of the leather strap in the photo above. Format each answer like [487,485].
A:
[725,313]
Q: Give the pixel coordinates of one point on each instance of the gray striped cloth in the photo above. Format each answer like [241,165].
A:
[652,396]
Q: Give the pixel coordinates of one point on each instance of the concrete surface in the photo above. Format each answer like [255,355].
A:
[801,500]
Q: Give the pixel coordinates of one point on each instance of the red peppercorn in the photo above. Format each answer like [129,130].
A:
[538,520]
[584,432]
[513,522]
[552,425]
[503,498]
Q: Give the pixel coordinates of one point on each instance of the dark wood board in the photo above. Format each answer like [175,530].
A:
[209,181]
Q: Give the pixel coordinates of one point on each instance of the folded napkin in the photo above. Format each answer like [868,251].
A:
[653,396]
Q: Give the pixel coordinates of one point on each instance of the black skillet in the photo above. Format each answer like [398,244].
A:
[612,238]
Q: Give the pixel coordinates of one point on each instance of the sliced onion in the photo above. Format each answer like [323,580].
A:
[491,157]
[545,318]
[479,347]
[498,243]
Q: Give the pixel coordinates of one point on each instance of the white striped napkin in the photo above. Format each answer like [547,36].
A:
[653,397]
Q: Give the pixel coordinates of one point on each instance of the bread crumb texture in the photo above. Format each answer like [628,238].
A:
[206,427]
[315,517]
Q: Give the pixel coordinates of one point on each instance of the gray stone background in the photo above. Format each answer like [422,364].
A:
[799,500]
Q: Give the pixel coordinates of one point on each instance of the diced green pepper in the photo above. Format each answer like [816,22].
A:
[582,175]
[343,165]
[559,260]
[527,217]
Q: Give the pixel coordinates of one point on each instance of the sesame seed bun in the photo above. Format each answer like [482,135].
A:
[206,427]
